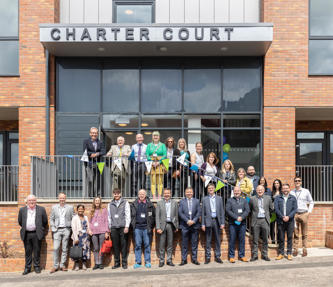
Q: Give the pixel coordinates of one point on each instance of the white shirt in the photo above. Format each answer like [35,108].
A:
[285,205]
[169,156]
[168,210]
[62,213]
[304,198]
[31,219]
[210,170]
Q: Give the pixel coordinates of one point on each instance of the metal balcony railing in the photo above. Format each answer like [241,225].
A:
[318,179]
[80,180]
[8,183]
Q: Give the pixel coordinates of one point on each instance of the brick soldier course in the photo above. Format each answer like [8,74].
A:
[286,86]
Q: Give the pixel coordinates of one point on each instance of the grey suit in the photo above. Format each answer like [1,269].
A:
[260,225]
[167,227]
[212,224]
[61,234]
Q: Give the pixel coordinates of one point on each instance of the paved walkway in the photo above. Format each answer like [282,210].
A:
[314,270]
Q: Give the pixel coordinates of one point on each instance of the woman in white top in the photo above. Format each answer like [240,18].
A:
[197,159]
[209,168]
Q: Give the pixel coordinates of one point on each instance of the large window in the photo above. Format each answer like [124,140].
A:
[9,35]
[139,11]
[321,37]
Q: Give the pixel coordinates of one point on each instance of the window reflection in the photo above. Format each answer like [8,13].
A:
[321,57]
[241,89]
[161,90]
[202,90]
[9,58]
[311,154]
[321,18]
[9,18]
[134,13]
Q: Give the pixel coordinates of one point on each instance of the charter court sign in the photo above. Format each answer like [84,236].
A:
[51,34]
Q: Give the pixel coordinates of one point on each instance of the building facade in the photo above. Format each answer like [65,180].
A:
[255,74]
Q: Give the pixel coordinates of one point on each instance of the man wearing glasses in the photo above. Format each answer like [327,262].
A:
[305,205]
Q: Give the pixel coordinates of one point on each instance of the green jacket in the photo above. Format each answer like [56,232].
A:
[160,151]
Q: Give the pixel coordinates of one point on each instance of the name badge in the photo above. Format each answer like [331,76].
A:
[190,212]
[150,213]
[84,231]
[155,154]
[96,224]
[116,216]
[143,215]
[240,210]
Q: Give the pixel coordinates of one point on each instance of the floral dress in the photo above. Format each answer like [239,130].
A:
[84,240]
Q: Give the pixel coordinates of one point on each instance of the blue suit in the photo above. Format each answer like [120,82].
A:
[189,231]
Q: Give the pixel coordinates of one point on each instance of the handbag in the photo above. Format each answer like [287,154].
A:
[76,252]
[106,247]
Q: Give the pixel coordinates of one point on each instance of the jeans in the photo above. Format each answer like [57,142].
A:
[142,236]
[234,232]
[61,236]
[286,227]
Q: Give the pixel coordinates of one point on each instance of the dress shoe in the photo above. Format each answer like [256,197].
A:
[161,264]
[84,266]
[289,257]
[37,270]
[96,267]
[254,259]
[207,260]
[195,262]
[295,252]
[183,262]
[116,266]
[124,266]
[279,257]
[53,270]
[244,259]
[265,258]
[232,260]
[218,260]
[26,271]
[170,263]
[101,266]
[305,253]
[63,269]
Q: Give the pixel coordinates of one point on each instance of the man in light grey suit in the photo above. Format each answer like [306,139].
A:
[212,221]
[60,222]
[166,224]
[261,207]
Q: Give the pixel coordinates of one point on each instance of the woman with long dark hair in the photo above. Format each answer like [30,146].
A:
[276,191]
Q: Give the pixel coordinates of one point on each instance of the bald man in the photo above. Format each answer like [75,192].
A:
[33,221]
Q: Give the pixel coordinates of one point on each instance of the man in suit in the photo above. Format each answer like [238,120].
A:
[33,221]
[166,225]
[237,209]
[189,214]
[261,207]
[60,222]
[212,221]
[285,206]
[139,167]
[95,150]
[121,152]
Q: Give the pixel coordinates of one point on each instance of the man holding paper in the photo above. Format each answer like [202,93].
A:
[237,209]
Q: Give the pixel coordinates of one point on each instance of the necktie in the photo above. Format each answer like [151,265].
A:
[139,152]
[190,207]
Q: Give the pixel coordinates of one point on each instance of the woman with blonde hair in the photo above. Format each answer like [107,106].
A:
[182,172]
[99,227]
[156,151]
[244,182]
[228,176]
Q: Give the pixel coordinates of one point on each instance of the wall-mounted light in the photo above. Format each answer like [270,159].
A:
[144,124]
[129,12]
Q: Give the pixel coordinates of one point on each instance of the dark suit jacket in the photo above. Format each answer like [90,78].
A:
[291,207]
[234,209]
[184,215]
[254,207]
[161,215]
[206,218]
[87,145]
[41,221]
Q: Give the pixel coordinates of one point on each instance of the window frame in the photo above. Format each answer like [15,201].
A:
[14,39]
[116,3]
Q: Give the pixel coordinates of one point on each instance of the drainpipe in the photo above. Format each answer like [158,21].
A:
[47,106]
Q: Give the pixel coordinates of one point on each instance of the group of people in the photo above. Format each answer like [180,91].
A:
[291,208]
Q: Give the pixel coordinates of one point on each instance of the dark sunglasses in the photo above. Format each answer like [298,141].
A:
[298,180]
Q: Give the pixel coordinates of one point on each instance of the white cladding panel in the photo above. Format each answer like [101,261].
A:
[166,11]
[177,8]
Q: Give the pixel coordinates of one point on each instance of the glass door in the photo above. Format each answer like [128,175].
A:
[310,148]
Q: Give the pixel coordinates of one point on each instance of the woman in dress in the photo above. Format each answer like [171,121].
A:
[228,176]
[156,151]
[244,182]
[276,191]
[100,230]
[80,235]
[198,160]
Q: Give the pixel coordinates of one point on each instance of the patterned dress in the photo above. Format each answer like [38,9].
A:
[84,240]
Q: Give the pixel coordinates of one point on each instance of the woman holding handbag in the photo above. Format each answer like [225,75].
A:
[80,236]
[100,230]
